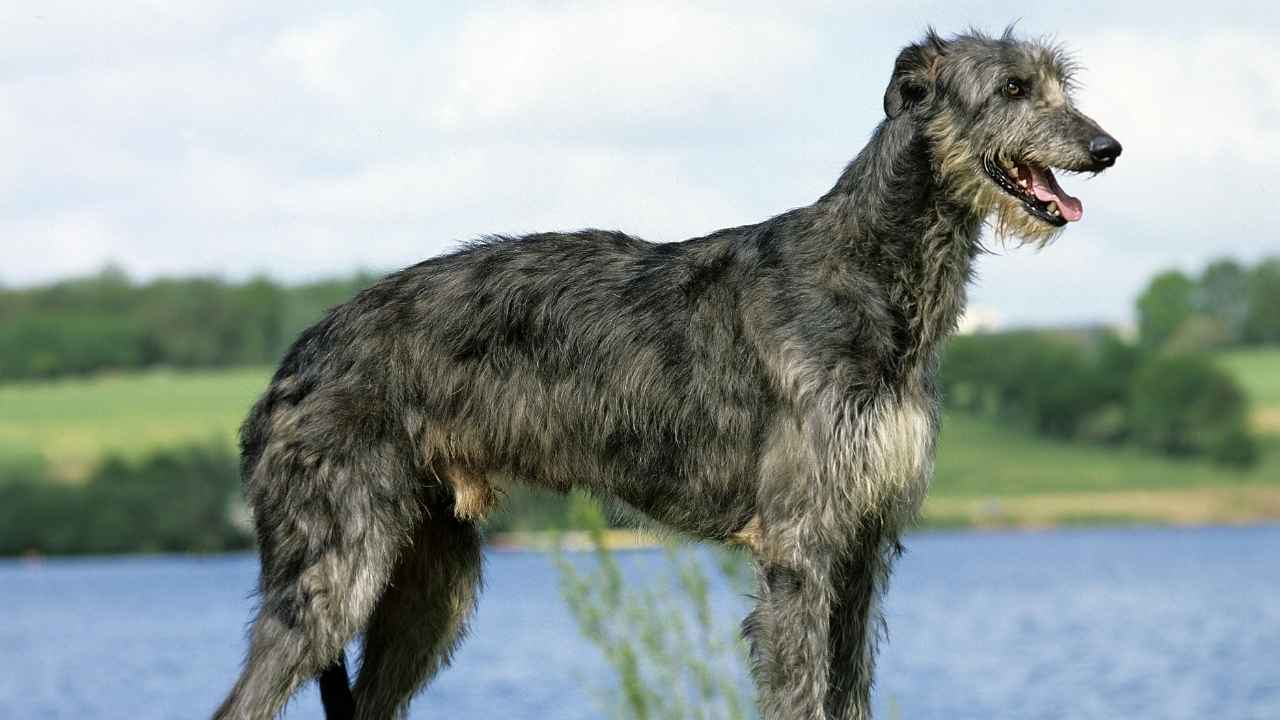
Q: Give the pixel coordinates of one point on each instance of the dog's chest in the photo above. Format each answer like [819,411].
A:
[898,437]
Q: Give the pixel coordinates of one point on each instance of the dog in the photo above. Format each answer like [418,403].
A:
[771,385]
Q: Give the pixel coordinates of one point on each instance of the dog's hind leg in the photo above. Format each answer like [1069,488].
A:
[328,542]
[335,691]
[421,617]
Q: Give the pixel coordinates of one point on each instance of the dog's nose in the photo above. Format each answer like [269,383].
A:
[1104,149]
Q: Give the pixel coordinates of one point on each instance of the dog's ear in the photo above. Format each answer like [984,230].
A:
[914,74]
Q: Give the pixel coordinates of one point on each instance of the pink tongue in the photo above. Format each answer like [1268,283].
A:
[1045,187]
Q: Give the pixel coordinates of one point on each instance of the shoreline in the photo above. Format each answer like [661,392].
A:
[637,540]
[1244,505]
[1186,507]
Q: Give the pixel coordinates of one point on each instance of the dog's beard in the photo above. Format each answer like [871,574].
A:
[960,171]
[964,180]
[1011,224]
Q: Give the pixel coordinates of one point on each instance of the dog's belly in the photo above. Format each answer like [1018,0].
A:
[696,481]
[707,493]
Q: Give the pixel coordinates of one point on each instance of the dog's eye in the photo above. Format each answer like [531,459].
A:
[1013,88]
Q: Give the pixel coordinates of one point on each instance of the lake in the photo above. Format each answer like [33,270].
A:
[1123,623]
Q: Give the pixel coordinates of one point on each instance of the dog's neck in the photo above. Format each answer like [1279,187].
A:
[900,226]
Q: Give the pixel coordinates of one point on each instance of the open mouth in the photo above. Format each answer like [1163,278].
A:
[1037,189]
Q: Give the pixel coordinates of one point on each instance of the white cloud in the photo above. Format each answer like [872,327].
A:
[336,56]
[1083,276]
[1209,98]
[63,244]
[623,63]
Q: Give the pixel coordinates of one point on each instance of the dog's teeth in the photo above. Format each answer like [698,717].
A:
[1013,170]
[1053,208]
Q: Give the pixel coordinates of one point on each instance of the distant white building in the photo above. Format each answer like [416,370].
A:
[1126,330]
[980,319]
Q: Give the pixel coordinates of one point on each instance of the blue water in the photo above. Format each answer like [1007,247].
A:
[1148,623]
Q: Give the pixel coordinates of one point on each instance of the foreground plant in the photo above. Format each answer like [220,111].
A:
[672,657]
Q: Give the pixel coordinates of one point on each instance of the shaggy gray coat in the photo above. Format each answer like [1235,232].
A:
[771,384]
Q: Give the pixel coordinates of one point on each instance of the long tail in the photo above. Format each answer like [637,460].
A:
[335,691]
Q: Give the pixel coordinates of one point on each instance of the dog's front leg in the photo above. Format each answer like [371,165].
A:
[788,630]
[795,544]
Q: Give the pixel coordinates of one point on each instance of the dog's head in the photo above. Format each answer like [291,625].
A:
[999,118]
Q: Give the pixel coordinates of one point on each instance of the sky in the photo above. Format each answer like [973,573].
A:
[309,139]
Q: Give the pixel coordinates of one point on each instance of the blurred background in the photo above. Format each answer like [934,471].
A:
[184,187]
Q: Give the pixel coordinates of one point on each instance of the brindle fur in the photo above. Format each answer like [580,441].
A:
[770,384]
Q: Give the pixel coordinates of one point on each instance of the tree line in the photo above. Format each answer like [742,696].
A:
[109,322]
[178,499]
[1094,387]
[1161,392]
[181,499]
[1228,303]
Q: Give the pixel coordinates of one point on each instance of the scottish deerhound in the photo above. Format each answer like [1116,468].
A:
[771,384]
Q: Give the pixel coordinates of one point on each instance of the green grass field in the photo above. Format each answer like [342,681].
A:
[1258,371]
[979,457]
[72,423]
